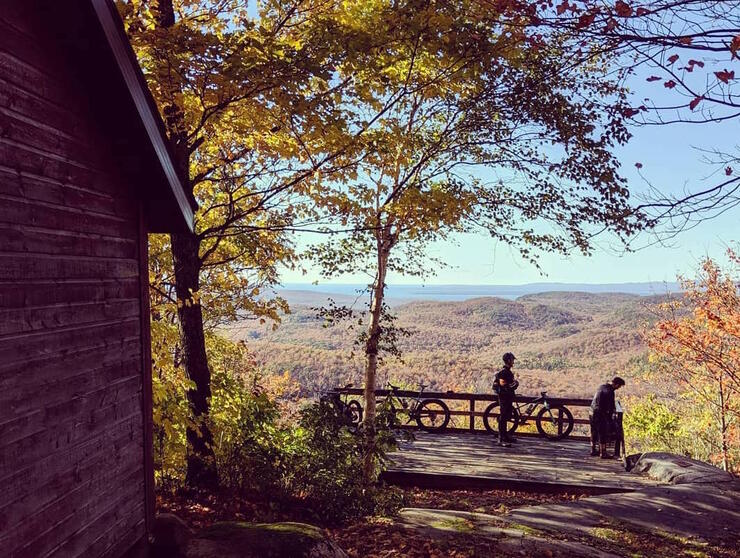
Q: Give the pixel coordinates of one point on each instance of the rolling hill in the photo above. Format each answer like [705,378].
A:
[565,342]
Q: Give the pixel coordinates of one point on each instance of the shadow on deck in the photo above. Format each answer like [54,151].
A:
[467,461]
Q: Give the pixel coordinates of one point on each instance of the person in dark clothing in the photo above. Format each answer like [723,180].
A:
[600,415]
[505,385]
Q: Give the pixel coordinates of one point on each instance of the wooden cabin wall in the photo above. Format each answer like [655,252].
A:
[72,472]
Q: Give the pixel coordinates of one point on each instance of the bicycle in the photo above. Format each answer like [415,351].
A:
[431,415]
[554,422]
[350,410]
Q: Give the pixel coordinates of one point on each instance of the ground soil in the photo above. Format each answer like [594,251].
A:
[383,537]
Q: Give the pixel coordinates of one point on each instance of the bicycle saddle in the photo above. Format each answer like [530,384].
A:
[543,393]
[390,385]
[347,386]
[422,385]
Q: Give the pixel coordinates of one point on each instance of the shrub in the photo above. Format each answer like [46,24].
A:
[251,450]
[261,449]
[652,425]
[328,464]
[679,424]
[314,460]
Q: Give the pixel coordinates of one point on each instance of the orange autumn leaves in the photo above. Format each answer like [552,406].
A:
[696,344]
[708,336]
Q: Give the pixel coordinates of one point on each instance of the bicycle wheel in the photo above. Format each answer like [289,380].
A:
[554,423]
[432,415]
[354,412]
[490,419]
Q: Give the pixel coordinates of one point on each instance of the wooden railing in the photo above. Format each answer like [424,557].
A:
[477,403]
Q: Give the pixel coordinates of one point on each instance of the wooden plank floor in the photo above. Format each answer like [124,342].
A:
[474,461]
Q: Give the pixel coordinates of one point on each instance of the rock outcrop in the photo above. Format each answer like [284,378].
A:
[262,540]
[676,469]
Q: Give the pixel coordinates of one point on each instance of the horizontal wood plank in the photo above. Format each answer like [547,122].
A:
[27,131]
[37,394]
[22,74]
[20,320]
[20,99]
[72,520]
[456,396]
[31,187]
[36,162]
[32,346]
[50,488]
[20,37]
[27,239]
[59,466]
[60,366]
[16,267]
[52,217]
[34,292]
[80,406]
[119,538]
[22,453]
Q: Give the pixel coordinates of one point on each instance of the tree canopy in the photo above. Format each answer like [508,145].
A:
[383,126]
[491,129]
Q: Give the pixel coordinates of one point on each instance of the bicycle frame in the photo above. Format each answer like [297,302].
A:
[526,414]
[409,404]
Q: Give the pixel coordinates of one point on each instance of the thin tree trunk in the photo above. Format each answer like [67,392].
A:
[723,426]
[371,366]
[187,266]
[201,466]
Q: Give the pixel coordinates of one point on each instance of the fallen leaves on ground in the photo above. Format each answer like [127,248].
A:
[482,501]
[377,537]
[202,508]
[630,540]
[383,540]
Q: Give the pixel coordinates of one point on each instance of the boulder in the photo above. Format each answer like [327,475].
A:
[170,536]
[262,540]
[676,469]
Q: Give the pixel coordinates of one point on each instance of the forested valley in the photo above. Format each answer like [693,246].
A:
[564,342]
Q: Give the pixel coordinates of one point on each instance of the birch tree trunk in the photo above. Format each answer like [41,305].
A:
[371,356]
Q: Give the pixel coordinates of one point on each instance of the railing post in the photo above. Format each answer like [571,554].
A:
[560,421]
[472,413]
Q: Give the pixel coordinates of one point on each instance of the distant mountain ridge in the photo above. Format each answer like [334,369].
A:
[317,295]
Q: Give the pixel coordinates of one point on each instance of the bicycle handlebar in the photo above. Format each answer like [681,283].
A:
[422,386]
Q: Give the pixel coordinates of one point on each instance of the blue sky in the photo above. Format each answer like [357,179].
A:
[671,163]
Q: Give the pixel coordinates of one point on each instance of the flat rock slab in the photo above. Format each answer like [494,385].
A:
[676,469]
[705,511]
[446,523]
[262,540]
[532,461]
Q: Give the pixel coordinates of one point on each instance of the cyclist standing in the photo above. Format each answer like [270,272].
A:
[505,385]
[600,415]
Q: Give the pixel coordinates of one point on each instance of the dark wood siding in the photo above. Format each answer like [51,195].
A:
[72,467]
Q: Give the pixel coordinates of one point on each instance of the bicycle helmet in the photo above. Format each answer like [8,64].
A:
[508,356]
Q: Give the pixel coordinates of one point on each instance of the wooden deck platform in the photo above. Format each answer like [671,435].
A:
[474,461]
